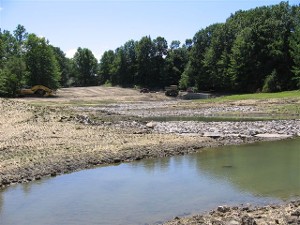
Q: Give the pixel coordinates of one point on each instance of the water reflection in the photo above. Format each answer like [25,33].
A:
[158,190]
[153,165]
[264,169]
[1,202]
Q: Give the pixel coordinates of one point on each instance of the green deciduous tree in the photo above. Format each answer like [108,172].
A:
[175,64]
[106,66]
[12,65]
[196,73]
[11,76]
[64,65]
[295,52]
[86,67]
[41,63]
[145,52]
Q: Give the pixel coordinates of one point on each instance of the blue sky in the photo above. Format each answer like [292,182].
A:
[102,25]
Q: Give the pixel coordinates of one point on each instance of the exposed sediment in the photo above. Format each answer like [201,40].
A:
[288,213]
[39,141]
[47,141]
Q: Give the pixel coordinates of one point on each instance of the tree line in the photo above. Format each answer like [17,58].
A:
[253,50]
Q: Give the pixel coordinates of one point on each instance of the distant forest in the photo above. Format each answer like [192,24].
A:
[257,50]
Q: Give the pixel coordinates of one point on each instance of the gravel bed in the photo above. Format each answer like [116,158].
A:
[284,128]
[164,109]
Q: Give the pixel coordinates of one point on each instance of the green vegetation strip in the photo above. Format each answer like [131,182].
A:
[264,96]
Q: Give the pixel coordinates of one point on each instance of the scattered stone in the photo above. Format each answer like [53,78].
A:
[296,213]
[233,222]
[292,220]
[223,209]
[247,220]
[151,124]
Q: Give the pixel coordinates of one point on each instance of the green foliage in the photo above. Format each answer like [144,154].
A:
[12,65]
[241,53]
[64,66]
[279,95]
[8,83]
[107,84]
[184,81]
[145,75]
[271,83]
[86,67]
[295,52]
[106,66]
[11,77]
[175,64]
[41,63]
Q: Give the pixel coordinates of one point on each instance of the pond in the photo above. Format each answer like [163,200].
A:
[153,191]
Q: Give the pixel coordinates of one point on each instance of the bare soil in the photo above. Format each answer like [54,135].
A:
[85,127]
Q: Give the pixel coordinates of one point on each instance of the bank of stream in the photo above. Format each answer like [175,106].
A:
[153,191]
[39,142]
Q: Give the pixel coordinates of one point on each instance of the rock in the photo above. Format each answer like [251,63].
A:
[53,174]
[223,209]
[296,213]
[151,124]
[233,222]
[247,220]
[267,135]
[245,208]
[292,220]
[253,132]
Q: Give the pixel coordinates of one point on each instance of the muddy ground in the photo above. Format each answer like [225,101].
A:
[85,127]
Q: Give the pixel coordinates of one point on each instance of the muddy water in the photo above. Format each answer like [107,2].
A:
[152,191]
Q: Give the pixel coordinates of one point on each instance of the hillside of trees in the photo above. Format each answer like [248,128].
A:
[257,50]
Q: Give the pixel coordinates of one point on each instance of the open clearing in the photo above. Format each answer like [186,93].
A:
[86,127]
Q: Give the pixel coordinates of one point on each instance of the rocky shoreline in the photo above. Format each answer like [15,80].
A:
[284,214]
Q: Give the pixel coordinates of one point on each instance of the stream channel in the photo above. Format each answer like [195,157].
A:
[155,190]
